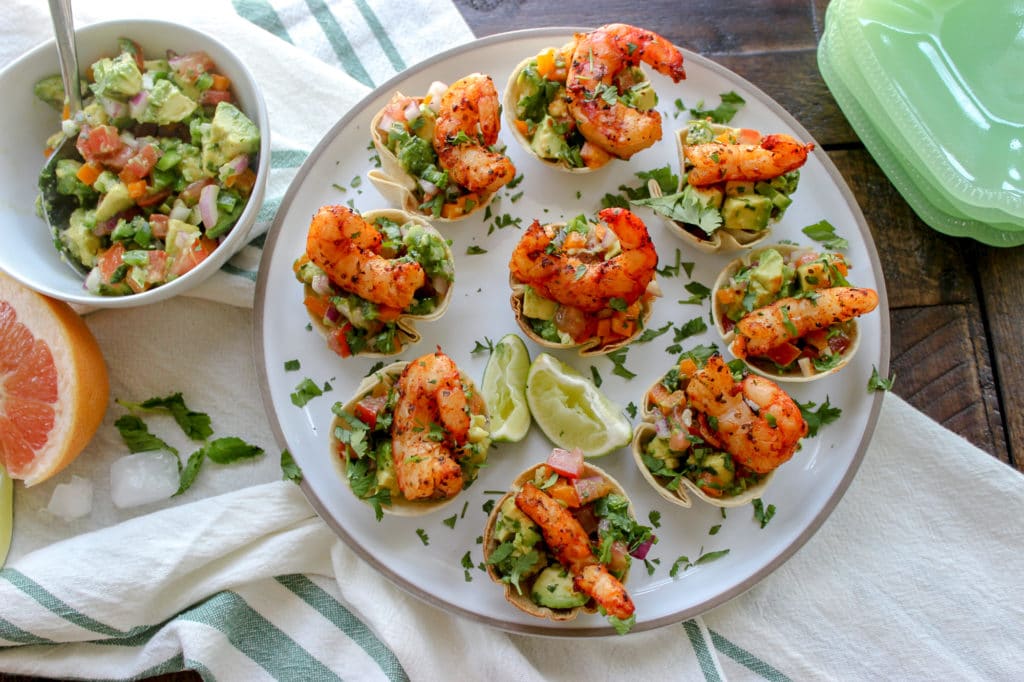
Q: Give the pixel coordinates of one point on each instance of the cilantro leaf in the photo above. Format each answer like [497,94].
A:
[305,391]
[231,449]
[762,514]
[825,414]
[289,469]
[877,383]
[823,231]
[684,207]
[137,437]
[196,425]
[723,113]
[618,358]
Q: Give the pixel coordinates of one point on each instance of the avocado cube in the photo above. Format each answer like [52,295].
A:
[538,307]
[749,213]
[554,588]
[710,196]
[116,199]
[739,188]
[547,143]
[813,276]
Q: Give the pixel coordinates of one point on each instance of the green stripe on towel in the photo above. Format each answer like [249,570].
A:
[332,610]
[263,15]
[12,633]
[700,649]
[287,158]
[258,638]
[381,35]
[239,272]
[60,608]
[747,659]
[339,42]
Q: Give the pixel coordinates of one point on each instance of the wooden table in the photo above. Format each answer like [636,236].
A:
[955,326]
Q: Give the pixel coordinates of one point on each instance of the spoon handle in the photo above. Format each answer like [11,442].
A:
[64,29]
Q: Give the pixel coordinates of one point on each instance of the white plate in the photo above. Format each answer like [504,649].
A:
[805,490]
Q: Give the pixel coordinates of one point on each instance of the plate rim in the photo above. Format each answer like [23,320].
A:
[545,629]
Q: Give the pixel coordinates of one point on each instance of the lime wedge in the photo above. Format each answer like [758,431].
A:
[6,513]
[571,411]
[504,389]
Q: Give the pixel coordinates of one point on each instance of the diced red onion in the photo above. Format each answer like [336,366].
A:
[192,192]
[239,163]
[429,188]
[412,110]
[332,314]
[661,426]
[208,205]
[385,123]
[137,104]
[644,547]
[321,284]
[590,488]
[105,227]
[114,108]
[440,284]
[435,92]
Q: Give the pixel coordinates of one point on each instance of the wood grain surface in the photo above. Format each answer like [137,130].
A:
[955,304]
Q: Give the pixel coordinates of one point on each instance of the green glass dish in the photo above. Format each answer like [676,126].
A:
[932,206]
[950,75]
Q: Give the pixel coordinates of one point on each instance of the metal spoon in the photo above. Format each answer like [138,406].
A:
[56,207]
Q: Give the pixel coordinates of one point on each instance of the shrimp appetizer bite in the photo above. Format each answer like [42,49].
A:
[585,285]
[367,278]
[438,152]
[735,184]
[789,312]
[413,436]
[579,106]
[705,432]
[560,542]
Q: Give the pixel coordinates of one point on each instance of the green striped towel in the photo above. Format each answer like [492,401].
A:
[239,580]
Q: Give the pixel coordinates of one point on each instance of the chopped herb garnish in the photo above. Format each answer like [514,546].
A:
[291,365]
[618,358]
[825,414]
[723,113]
[289,469]
[424,538]
[699,291]
[450,521]
[304,392]
[762,514]
[486,346]
[474,250]
[877,383]
[631,410]
[597,376]
[823,231]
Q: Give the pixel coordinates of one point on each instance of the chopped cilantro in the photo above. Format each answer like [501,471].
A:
[762,514]
[424,538]
[631,410]
[450,521]
[487,345]
[291,365]
[474,250]
[618,358]
[877,383]
[723,113]
[650,334]
[825,414]
[304,392]
[699,291]
[596,375]
[823,231]
[289,469]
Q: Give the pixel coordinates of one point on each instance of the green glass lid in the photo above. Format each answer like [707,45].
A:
[950,76]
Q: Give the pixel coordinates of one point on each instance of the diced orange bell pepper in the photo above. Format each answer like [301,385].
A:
[88,172]
[316,305]
[564,492]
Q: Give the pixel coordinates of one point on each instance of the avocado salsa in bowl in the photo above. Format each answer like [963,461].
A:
[173,155]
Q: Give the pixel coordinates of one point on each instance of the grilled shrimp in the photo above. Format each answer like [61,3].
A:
[431,422]
[755,421]
[468,122]
[766,328]
[598,77]
[570,545]
[347,248]
[774,155]
[584,283]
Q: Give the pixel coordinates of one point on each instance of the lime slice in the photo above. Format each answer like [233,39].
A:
[571,411]
[504,389]
[6,513]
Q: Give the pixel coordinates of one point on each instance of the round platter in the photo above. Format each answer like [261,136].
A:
[428,555]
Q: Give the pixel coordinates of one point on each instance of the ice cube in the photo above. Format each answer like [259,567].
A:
[71,500]
[143,478]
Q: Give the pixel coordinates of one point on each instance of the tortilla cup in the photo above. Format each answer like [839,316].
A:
[521,600]
[406,333]
[763,366]
[398,186]
[587,347]
[381,381]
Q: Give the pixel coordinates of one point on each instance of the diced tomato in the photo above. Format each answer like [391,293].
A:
[568,463]
[158,225]
[110,260]
[100,143]
[214,97]
[139,165]
[592,488]
[117,161]
[839,343]
[338,341]
[784,354]
[316,305]
[192,65]
[135,50]
[192,256]
[619,560]
[156,272]
[152,198]
[369,408]
[587,518]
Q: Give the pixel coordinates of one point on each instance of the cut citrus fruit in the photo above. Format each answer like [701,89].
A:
[571,411]
[53,384]
[6,514]
[504,389]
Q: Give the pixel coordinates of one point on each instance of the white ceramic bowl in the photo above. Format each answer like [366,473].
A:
[27,252]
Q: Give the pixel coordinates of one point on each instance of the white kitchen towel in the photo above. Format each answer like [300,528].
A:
[915,575]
